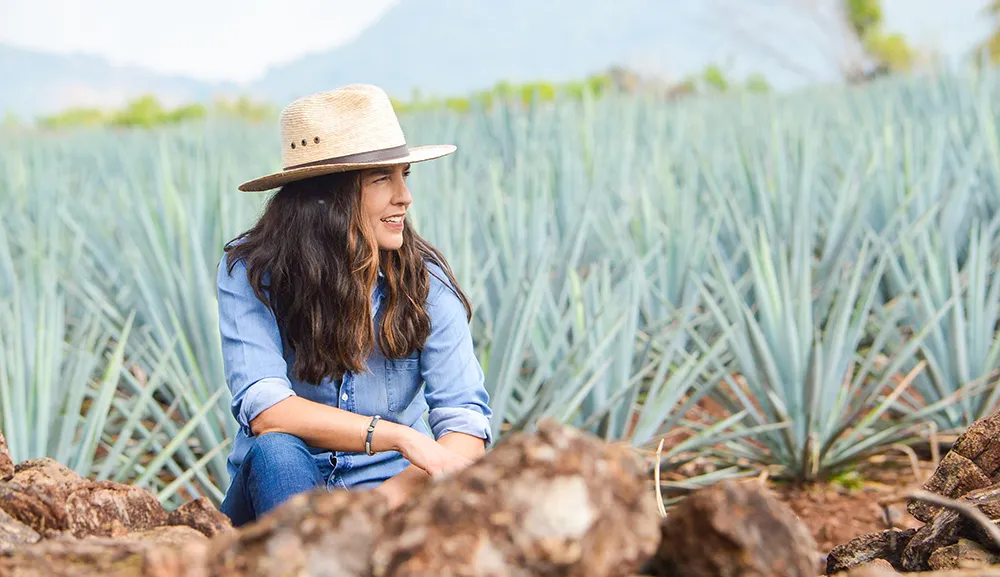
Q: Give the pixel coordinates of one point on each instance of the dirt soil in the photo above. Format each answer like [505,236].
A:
[868,502]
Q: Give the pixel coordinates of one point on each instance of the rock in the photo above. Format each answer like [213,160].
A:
[943,530]
[200,514]
[556,502]
[876,568]
[81,508]
[986,500]
[44,471]
[980,443]
[878,564]
[880,572]
[319,533]
[962,555]
[102,557]
[94,508]
[948,526]
[972,463]
[175,536]
[36,508]
[884,545]
[955,476]
[15,534]
[6,464]
[735,528]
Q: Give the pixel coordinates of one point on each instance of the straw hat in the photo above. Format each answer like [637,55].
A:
[349,128]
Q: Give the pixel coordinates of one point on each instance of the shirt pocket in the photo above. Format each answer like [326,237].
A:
[403,380]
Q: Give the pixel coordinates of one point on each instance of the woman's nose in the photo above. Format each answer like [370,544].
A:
[403,195]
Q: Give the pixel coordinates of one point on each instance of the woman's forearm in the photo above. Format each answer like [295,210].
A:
[466,445]
[328,427]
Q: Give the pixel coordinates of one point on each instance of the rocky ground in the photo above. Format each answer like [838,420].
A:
[959,510]
[554,502]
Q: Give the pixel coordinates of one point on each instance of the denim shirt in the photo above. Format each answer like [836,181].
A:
[443,381]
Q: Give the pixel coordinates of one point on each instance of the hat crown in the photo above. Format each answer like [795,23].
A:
[353,119]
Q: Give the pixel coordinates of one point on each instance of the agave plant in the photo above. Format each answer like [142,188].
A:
[163,260]
[67,387]
[61,362]
[961,351]
[799,359]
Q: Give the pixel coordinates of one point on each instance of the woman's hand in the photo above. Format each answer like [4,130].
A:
[427,454]
[401,488]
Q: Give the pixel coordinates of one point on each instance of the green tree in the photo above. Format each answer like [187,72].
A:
[10,122]
[599,84]
[245,108]
[890,51]
[458,104]
[73,118]
[992,44]
[144,112]
[864,15]
[185,113]
[851,35]
[715,78]
[757,83]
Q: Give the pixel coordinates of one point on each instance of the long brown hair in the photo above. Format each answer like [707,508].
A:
[312,258]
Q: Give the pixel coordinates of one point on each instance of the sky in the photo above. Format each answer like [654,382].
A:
[234,40]
[238,40]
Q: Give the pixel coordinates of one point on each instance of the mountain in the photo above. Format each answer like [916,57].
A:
[37,83]
[446,47]
[441,47]
[454,47]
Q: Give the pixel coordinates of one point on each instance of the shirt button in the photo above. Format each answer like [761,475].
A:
[343,397]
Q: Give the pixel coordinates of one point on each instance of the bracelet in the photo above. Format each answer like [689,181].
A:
[368,440]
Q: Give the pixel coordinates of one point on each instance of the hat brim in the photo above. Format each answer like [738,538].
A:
[272,181]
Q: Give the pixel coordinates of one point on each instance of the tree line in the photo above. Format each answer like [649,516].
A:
[147,111]
[852,34]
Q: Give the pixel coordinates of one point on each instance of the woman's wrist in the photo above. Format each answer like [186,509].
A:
[389,436]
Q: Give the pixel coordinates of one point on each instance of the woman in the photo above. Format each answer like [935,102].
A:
[341,326]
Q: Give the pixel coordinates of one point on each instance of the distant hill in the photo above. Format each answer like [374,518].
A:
[442,47]
[35,83]
[448,47]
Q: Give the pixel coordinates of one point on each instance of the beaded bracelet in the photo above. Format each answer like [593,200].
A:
[368,440]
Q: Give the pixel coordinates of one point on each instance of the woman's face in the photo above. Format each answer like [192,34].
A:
[384,200]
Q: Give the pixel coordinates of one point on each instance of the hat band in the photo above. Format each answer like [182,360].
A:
[380,155]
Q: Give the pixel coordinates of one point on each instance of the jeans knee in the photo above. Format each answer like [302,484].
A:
[278,449]
[277,466]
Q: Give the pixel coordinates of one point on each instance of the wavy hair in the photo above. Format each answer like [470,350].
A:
[313,260]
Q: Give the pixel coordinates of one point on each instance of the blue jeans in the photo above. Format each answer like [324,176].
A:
[276,467]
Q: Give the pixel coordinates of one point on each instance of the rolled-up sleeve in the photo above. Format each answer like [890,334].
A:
[256,371]
[454,381]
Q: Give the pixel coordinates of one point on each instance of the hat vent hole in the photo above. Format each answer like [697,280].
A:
[303,142]
[316,139]
[293,146]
